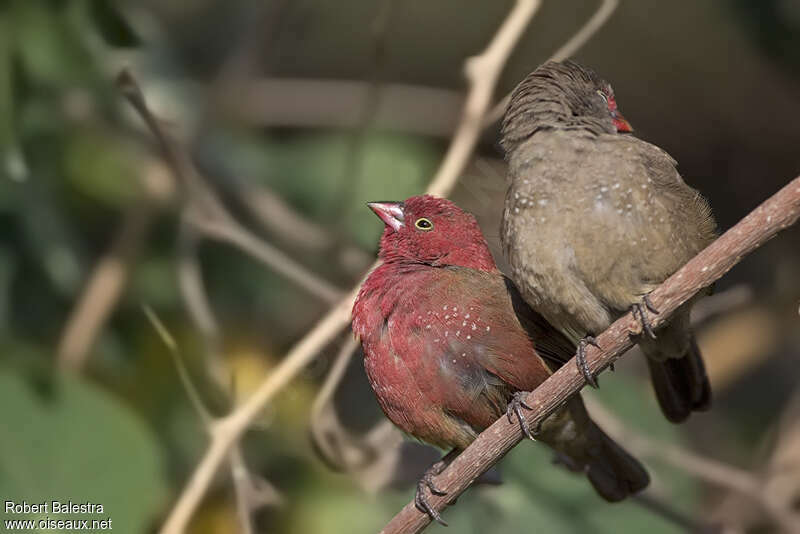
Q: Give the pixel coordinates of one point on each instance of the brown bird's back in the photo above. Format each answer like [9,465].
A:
[595,219]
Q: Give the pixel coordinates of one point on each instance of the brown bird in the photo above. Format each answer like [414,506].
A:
[595,219]
[449,345]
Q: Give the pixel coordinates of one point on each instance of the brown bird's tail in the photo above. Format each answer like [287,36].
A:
[681,384]
[584,447]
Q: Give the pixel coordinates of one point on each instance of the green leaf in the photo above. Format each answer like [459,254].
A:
[77,443]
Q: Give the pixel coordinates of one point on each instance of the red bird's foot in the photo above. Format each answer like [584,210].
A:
[639,313]
[514,408]
[426,484]
[580,360]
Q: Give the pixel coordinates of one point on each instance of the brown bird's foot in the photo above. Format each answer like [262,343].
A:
[580,359]
[514,408]
[639,313]
[425,484]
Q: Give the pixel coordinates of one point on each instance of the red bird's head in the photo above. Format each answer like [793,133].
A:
[432,231]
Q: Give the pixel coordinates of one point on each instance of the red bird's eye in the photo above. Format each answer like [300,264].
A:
[424,224]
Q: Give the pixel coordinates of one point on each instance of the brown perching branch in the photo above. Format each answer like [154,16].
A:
[777,213]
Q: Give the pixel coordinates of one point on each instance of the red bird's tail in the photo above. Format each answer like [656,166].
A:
[584,447]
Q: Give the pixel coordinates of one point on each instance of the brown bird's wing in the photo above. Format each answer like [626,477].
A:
[593,223]
[642,224]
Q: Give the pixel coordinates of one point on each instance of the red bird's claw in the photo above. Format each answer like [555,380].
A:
[580,360]
[638,311]
[423,504]
[426,483]
[515,408]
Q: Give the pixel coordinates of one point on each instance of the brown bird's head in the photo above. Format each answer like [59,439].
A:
[431,231]
[561,96]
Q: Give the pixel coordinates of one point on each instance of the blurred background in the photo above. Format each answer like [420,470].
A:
[294,114]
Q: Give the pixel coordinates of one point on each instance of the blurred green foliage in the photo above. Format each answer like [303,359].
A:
[67,440]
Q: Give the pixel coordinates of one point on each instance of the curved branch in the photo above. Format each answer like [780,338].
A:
[777,213]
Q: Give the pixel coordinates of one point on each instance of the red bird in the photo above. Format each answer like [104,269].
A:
[450,346]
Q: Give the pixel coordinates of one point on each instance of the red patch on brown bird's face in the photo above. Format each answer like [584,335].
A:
[622,125]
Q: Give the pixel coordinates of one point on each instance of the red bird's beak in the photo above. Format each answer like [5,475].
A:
[623,126]
[391,213]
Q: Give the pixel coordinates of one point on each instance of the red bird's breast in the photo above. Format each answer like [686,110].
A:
[443,349]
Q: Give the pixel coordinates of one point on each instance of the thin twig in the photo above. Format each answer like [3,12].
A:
[777,213]
[225,432]
[323,423]
[241,481]
[177,359]
[104,288]
[667,511]
[566,51]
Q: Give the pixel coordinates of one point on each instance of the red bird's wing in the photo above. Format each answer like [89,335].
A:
[551,345]
[475,350]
